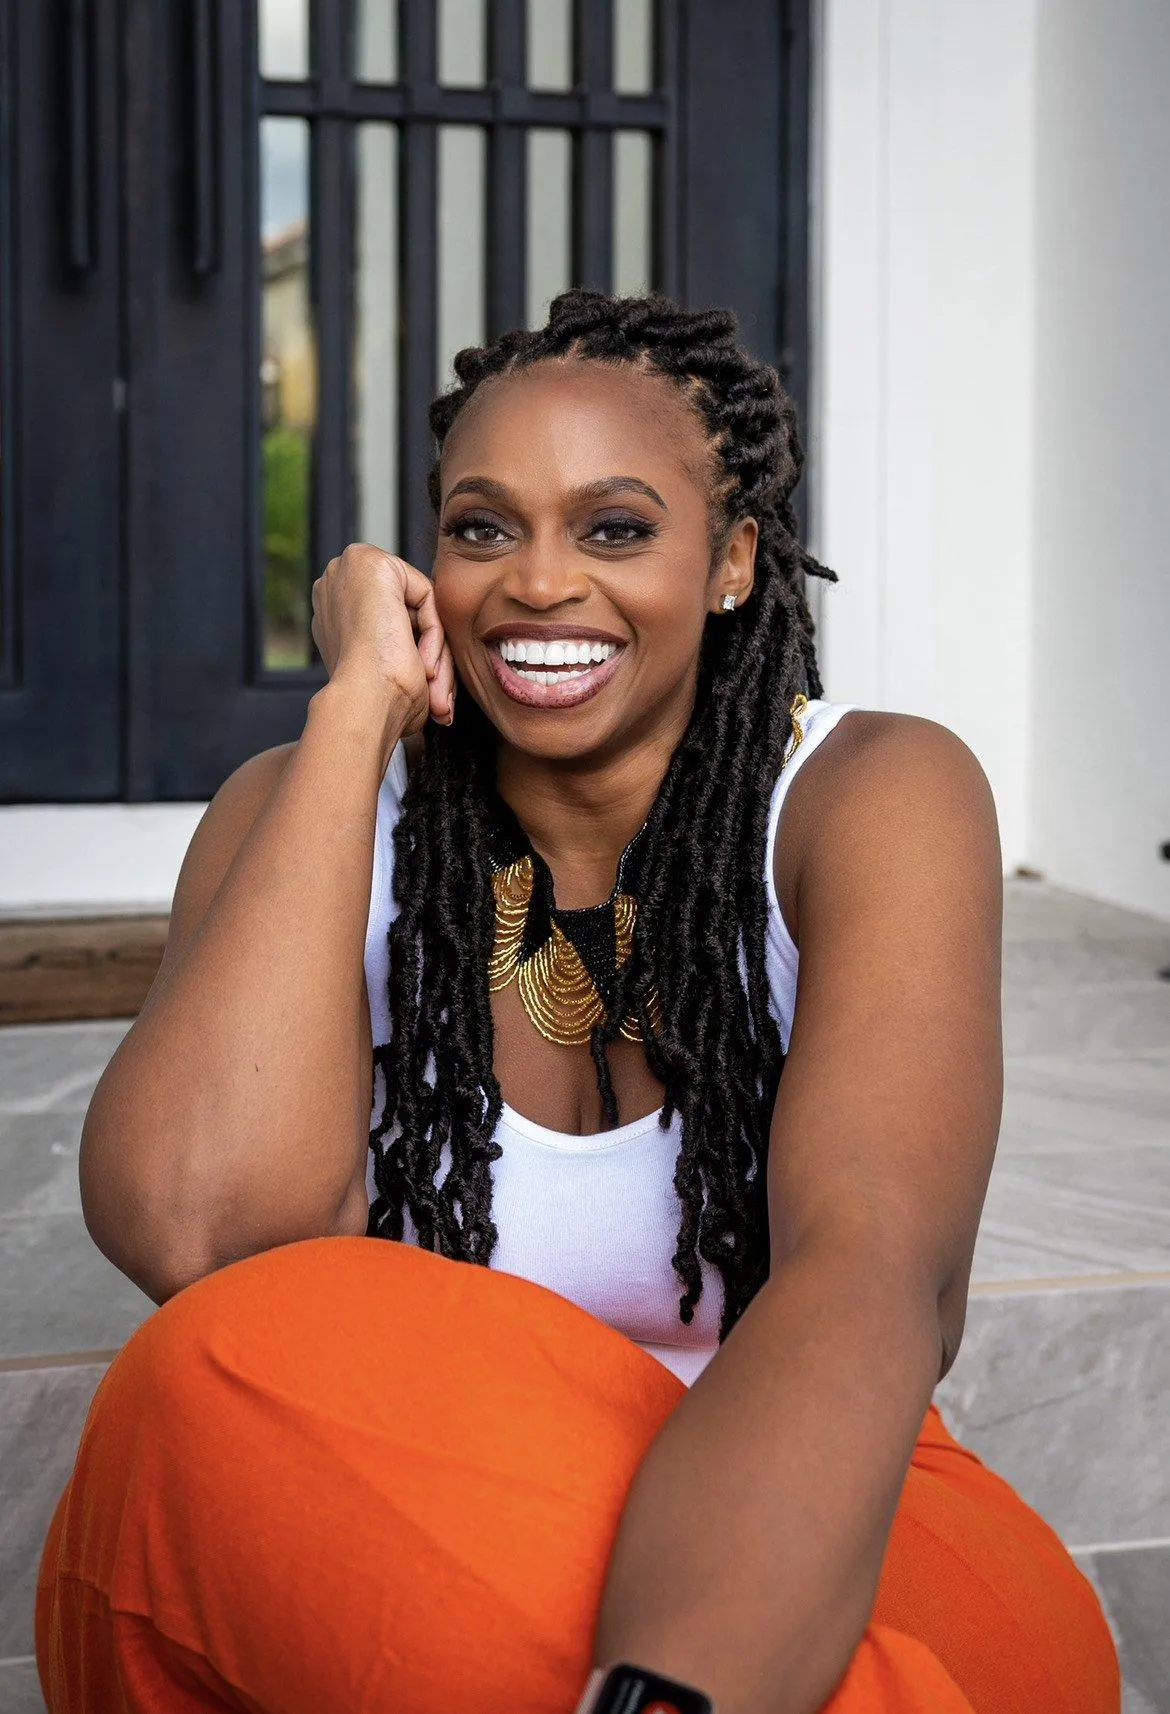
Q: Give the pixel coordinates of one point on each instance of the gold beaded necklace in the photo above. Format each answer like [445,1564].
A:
[564,962]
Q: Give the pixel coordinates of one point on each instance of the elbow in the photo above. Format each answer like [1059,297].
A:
[165,1235]
[133,1216]
[158,1268]
[142,1244]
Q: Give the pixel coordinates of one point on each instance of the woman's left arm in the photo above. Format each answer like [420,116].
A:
[750,1546]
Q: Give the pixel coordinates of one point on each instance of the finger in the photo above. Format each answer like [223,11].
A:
[430,648]
[442,686]
[419,595]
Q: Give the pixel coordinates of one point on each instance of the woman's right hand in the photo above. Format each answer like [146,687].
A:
[375,622]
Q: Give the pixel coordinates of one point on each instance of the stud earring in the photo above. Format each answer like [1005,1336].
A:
[728,603]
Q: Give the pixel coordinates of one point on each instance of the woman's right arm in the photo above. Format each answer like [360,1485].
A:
[235,1114]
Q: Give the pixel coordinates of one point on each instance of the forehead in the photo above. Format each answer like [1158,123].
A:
[566,423]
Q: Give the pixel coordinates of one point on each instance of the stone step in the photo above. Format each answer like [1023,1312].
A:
[1133,1581]
[1061,1382]
[1060,1387]
[20,1690]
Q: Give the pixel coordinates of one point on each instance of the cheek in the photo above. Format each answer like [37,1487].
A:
[456,597]
[674,611]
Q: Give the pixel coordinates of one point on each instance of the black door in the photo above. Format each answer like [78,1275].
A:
[61,407]
[207,397]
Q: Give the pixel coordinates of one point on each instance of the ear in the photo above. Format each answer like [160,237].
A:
[735,571]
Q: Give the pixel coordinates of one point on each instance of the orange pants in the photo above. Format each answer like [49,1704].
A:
[352,1475]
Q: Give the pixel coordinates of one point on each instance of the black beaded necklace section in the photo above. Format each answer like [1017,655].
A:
[564,962]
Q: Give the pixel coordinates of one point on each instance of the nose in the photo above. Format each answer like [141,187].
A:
[545,573]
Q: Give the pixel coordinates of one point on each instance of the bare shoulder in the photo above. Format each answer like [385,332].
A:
[225,825]
[884,790]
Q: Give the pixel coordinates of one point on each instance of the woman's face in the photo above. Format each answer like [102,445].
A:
[574,522]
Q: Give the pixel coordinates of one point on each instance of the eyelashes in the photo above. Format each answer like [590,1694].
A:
[623,531]
[472,521]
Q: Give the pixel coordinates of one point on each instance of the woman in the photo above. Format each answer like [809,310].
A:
[680,1413]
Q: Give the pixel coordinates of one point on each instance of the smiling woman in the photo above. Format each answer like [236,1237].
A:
[681,1021]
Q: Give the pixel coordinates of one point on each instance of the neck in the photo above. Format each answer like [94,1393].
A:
[580,816]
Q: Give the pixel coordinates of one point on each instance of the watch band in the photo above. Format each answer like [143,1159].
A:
[626,1689]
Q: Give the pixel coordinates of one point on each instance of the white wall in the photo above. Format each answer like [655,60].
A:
[1101,781]
[922,421]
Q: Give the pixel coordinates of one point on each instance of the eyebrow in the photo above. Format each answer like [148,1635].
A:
[599,490]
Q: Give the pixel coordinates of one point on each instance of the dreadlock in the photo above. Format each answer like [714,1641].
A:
[702,919]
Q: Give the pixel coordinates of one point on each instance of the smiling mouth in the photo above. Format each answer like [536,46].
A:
[561,685]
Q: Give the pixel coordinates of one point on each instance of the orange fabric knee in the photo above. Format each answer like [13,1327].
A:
[348,1474]
[358,1464]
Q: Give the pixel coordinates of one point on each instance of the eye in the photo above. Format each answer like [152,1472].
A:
[621,532]
[476,530]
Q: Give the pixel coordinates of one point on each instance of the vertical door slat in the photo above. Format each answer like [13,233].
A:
[506,176]
[419,292]
[593,175]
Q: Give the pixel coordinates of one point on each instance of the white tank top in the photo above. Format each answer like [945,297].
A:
[596,1218]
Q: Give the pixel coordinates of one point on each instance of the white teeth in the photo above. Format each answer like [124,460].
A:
[555,654]
[550,678]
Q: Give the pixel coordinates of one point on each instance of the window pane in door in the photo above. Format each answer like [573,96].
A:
[284,38]
[633,210]
[288,391]
[463,43]
[462,243]
[376,333]
[549,245]
[633,46]
[550,44]
[375,42]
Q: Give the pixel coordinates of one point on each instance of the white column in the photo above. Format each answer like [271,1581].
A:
[923,424]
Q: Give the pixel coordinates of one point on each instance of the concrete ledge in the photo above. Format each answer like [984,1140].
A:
[64,855]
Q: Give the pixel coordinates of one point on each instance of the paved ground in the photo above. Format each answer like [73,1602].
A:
[1063,1383]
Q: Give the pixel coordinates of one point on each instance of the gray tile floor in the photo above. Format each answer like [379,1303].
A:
[1063,1383]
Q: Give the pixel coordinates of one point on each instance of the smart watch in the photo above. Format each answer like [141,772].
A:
[626,1689]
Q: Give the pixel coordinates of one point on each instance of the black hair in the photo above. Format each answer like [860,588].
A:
[717,1051]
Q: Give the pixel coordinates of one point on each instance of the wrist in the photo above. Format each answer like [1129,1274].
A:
[370,713]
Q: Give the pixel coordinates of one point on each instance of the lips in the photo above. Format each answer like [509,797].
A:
[567,694]
[561,632]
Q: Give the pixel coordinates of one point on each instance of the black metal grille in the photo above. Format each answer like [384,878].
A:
[335,102]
